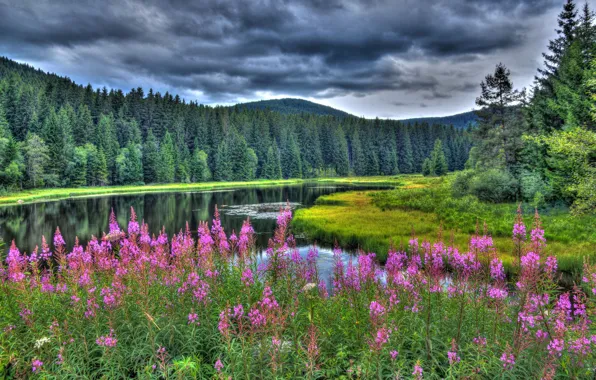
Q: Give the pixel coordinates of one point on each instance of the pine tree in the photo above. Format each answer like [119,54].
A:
[166,166]
[565,36]
[499,129]
[341,157]
[427,167]
[272,166]
[405,155]
[76,170]
[150,158]
[291,163]
[223,164]
[438,163]
[53,135]
[4,128]
[107,140]
[84,129]
[358,161]
[37,156]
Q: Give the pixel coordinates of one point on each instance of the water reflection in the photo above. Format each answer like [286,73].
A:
[84,217]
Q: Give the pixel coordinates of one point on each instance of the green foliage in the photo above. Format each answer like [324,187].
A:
[151,158]
[129,167]
[272,166]
[291,162]
[166,166]
[36,156]
[574,153]
[495,186]
[199,167]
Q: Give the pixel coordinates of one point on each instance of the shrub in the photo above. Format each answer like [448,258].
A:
[494,185]
[531,183]
[461,183]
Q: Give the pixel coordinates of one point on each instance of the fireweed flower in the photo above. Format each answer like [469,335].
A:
[133,225]
[376,310]
[393,354]
[58,239]
[417,373]
[508,360]
[224,324]
[551,265]
[247,277]
[238,311]
[193,318]
[218,365]
[453,357]
[108,341]
[36,365]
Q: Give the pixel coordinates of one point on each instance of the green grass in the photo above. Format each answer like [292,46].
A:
[371,220]
[38,195]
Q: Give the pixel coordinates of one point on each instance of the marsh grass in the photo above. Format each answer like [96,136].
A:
[372,220]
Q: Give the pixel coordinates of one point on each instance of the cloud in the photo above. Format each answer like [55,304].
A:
[228,50]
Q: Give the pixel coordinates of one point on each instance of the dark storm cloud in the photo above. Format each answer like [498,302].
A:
[225,50]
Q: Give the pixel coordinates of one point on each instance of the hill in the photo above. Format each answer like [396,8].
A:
[293,106]
[460,120]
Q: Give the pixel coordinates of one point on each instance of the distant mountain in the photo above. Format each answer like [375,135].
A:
[293,106]
[299,106]
[460,120]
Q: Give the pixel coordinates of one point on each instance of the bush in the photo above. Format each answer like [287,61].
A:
[461,183]
[495,186]
[532,184]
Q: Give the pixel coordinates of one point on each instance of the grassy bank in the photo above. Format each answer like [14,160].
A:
[371,220]
[38,195]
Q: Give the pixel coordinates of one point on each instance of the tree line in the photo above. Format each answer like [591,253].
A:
[56,133]
[539,145]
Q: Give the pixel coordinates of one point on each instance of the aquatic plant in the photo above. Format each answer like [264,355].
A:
[207,305]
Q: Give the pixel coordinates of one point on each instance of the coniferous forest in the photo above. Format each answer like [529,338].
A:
[56,133]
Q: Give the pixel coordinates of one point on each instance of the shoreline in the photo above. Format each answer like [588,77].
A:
[57,194]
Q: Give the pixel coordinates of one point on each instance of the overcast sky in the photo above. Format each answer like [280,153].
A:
[398,59]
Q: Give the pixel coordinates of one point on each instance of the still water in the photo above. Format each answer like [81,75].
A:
[85,217]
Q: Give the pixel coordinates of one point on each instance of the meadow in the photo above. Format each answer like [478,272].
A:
[426,207]
[160,307]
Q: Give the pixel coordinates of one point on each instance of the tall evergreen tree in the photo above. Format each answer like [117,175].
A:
[291,163]
[499,129]
[166,166]
[438,163]
[200,167]
[151,158]
[272,166]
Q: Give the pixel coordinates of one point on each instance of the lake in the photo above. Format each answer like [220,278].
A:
[85,217]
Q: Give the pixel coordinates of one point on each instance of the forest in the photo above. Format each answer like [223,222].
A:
[539,145]
[55,133]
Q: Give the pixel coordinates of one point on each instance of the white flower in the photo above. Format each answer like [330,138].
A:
[309,286]
[41,342]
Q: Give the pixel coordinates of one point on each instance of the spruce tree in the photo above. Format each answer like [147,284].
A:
[341,157]
[438,163]
[166,169]
[84,129]
[358,160]
[291,163]
[427,167]
[37,156]
[500,129]
[272,166]
[405,155]
[223,164]
[150,158]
